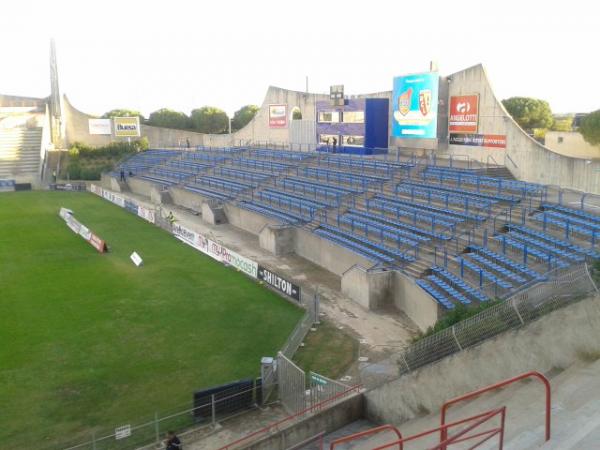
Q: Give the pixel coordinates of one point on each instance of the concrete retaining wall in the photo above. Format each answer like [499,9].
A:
[277,240]
[246,220]
[187,199]
[415,302]
[326,254]
[538,346]
[140,187]
[339,415]
[371,289]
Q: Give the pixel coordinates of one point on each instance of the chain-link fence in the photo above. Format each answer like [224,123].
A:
[564,287]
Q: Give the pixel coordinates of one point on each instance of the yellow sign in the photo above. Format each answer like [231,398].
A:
[127,126]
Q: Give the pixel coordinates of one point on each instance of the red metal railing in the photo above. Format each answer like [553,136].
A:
[461,436]
[470,395]
[275,425]
[366,433]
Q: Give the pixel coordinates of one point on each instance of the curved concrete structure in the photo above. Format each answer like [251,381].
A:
[526,159]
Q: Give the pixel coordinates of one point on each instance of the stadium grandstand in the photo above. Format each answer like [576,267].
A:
[459,263]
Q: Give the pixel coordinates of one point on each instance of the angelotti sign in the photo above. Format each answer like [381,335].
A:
[127,126]
[464,114]
[281,284]
[277,116]
[479,140]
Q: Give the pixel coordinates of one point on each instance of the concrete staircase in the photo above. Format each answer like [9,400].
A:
[499,172]
[575,415]
[20,152]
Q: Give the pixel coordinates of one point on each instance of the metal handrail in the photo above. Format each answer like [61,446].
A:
[470,395]
[369,432]
[459,437]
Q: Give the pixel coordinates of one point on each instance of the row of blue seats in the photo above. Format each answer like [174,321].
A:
[294,199]
[564,224]
[460,284]
[205,157]
[386,225]
[332,197]
[330,187]
[157,180]
[556,251]
[573,220]
[362,245]
[437,295]
[513,265]
[178,175]
[202,190]
[411,228]
[280,154]
[268,210]
[410,213]
[363,164]
[259,164]
[573,212]
[446,197]
[549,239]
[190,165]
[481,180]
[223,150]
[253,177]
[491,266]
[156,151]
[383,230]
[480,271]
[227,185]
[449,289]
[543,256]
[341,177]
[497,197]
[438,211]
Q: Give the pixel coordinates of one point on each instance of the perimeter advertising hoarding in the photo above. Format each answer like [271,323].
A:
[127,126]
[415,106]
[281,284]
[277,116]
[479,140]
[464,114]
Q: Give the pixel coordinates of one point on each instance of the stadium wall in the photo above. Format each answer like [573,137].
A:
[536,346]
[527,159]
[77,130]
[415,302]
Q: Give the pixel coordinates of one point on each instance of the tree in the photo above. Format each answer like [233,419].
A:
[122,113]
[296,114]
[209,119]
[590,128]
[243,116]
[564,124]
[168,118]
[529,113]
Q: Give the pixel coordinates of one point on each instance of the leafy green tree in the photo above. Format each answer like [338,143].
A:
[296,114]
[209,119]
[564,124]
[122,113]
[529,113]
[168,118]
[590,128]
[243,116]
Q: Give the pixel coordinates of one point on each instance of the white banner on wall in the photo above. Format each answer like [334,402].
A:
[114,198]
[146,214]
[96,189]
[99,126]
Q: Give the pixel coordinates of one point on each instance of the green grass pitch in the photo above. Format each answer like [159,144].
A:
[89,342]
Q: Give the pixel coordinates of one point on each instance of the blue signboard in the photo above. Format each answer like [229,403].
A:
[415,106]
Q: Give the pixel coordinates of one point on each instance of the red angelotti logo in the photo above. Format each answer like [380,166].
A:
[464,114]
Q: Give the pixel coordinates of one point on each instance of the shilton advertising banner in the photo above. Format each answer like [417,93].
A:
[415,106]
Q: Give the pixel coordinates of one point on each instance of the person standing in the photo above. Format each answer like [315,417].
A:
[54,176]
[172,442]
[122,174]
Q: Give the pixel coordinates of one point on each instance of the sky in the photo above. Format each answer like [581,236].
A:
[146,55]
